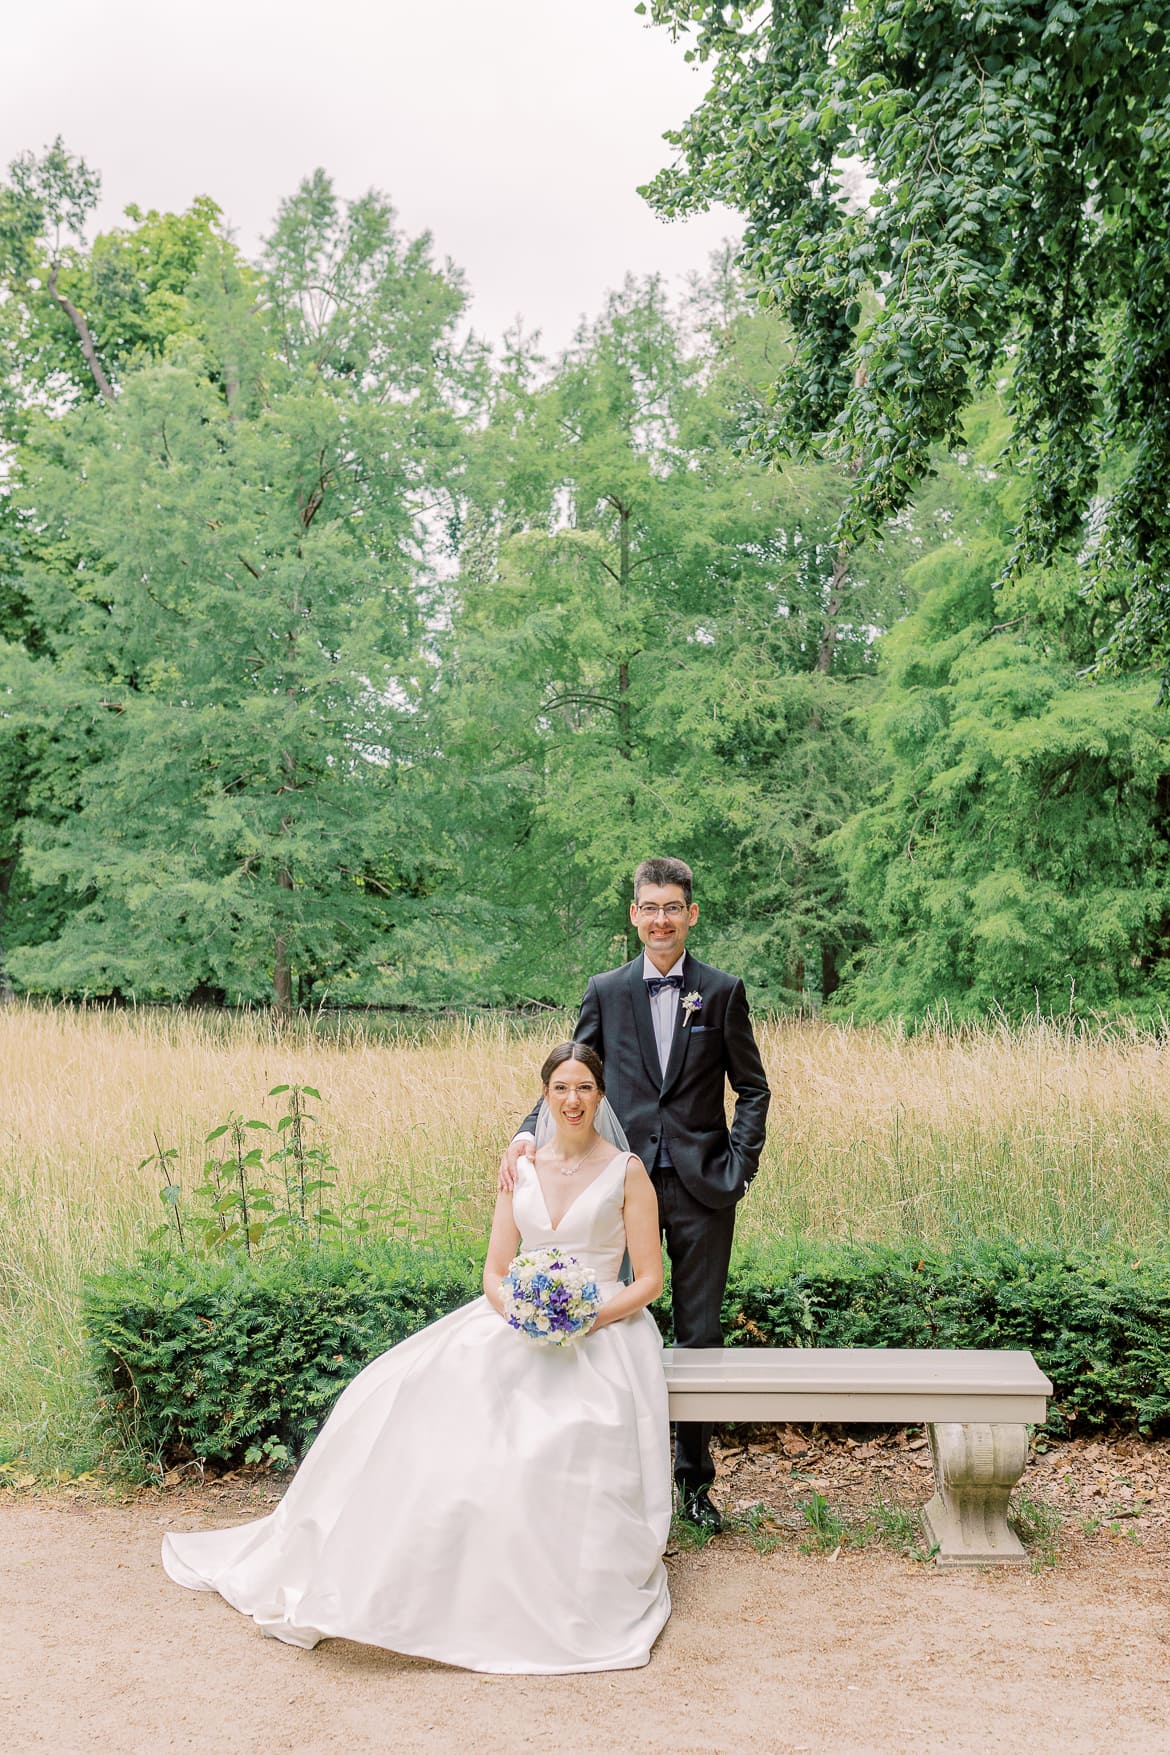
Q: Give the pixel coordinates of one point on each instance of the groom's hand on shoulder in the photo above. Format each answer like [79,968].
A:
[522,1146]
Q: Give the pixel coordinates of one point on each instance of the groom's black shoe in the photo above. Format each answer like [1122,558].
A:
[698,1509]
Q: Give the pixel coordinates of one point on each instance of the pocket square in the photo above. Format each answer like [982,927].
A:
[701,1029]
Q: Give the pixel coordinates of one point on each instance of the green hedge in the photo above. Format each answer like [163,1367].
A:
[209,1358]
[1099,1329]
[213,1358]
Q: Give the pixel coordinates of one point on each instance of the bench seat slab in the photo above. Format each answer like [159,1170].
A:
[855,1384]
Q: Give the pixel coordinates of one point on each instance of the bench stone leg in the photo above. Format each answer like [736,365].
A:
[975,1469]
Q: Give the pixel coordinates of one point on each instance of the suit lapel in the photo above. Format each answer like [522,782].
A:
[682,1029]
[644,1021]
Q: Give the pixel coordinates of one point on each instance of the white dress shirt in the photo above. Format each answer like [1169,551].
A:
[663,1012]
[663,1008]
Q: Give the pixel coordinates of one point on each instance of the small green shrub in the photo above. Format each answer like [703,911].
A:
[247,1200]
[1038,1526]
[826,1527]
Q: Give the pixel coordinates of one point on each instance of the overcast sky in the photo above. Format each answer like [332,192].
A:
[516,131]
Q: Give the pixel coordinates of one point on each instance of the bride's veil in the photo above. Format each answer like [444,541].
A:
[605,1121]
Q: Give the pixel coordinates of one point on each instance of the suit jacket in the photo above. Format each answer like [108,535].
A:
[712,1045]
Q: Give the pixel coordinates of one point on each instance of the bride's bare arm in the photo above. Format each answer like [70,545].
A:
[502,1247]
[642,1239]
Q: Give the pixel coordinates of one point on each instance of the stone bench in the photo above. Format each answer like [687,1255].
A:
[976,1407]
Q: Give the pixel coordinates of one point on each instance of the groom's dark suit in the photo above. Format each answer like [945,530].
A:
[710,1166]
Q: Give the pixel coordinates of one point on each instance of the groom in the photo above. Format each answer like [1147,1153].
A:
[670,1030]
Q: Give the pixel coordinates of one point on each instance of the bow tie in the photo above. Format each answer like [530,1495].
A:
[655,983]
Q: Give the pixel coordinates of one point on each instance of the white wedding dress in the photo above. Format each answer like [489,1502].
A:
[476,1497]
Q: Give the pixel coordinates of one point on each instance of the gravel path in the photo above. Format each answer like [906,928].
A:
[777,1653]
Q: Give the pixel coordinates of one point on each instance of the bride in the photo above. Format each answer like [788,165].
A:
[476,1497]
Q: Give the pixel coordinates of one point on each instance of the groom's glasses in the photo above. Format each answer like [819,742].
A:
[669,910]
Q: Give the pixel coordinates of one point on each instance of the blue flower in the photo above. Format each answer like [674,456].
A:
[564,1297]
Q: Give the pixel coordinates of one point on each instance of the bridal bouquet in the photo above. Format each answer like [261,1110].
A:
[550,1297]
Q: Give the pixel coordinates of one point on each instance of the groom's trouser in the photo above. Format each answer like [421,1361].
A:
[698,1242]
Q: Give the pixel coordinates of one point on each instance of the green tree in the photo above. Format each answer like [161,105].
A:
[71,320]
[1019,855]
[73,317]
[1018,229]
[44,208]
[653,647]
[227,578]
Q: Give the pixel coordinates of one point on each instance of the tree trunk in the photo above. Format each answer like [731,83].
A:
[625,721]
[105,388]
[824,663]
[7,872]
[812,991]
[825,650]
[281,966]
[231,369]
[794,973]
[624,712]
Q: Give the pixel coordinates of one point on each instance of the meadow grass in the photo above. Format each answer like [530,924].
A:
[1045,1133]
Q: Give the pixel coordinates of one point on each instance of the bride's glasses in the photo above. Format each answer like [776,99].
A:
[669,910]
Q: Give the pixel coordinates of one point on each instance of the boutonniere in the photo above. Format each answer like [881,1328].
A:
[691,1003]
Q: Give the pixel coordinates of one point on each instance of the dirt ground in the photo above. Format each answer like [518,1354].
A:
[771,1646]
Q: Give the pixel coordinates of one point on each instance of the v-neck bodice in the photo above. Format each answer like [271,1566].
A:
[591,1228]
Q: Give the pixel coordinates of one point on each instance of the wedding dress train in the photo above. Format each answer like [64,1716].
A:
[475,1497]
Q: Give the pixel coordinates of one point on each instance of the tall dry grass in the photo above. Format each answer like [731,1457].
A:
[1041,1132]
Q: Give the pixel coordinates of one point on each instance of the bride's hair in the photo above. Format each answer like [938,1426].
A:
[573,1051]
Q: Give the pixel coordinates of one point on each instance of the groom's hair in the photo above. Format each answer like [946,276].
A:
[665,871]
